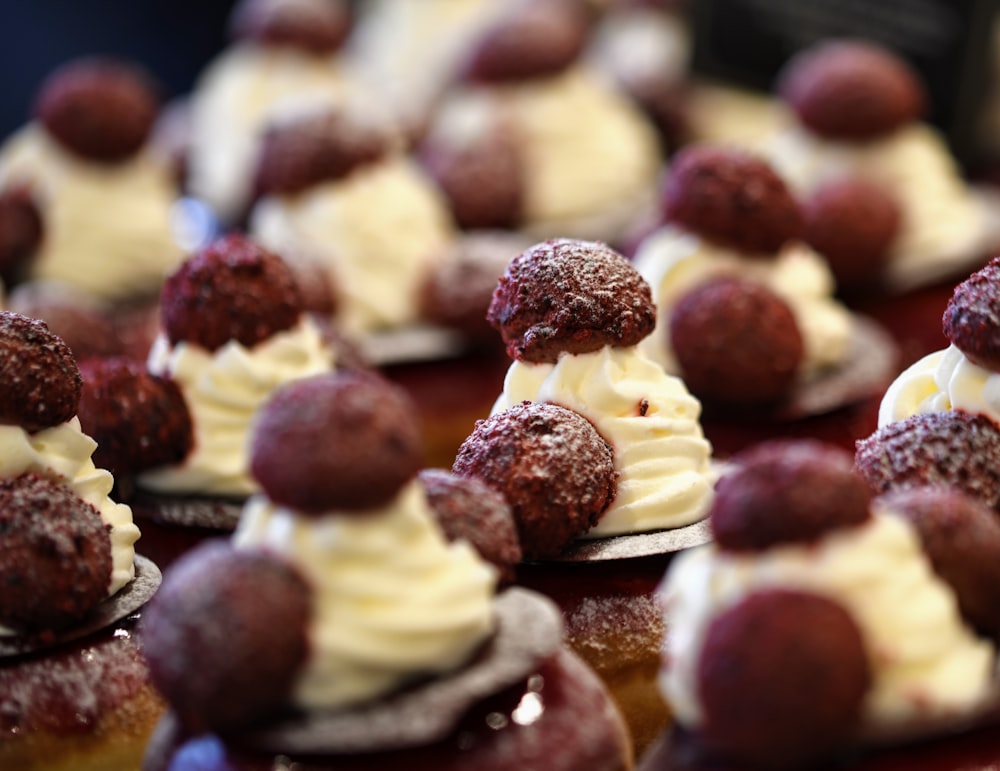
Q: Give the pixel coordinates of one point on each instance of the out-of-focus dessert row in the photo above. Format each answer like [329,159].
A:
[490,391]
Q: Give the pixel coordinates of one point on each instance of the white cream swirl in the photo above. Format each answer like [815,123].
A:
[943,380]
[379,231]
[946,223]
[674,261]
[649,419]
[393,600]
[223,390]
[107,226]
[925,661]
[64,453]
[235,97]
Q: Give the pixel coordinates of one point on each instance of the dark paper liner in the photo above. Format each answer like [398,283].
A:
[529,632]
[126,601]
[634,545]
[188,510]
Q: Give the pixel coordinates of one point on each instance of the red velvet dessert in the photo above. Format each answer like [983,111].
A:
[86,200]
[385,645]
[599,454]
[174,431]
[76,692]
[746,310]
[805,573]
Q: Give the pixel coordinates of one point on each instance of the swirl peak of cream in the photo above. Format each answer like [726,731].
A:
[942,380]
[393,599]
[64,453]
[651,422]
[223,390]
[674,260]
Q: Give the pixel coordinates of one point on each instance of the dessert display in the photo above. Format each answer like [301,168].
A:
[370,639]
[959,376]
[175,430]
[530,137]
[338,192]
[788,645]
[285,55]
[84,198]
[938,420]
[75,687]
[746,310]
[854,112]
[599,454]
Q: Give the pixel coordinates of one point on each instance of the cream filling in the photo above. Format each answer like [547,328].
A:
[379,231]
[243,89]
[674,261]
[925,661]
[663,459]
[107,226]
[943,380]
[393,600]
[224,390]
[63,453]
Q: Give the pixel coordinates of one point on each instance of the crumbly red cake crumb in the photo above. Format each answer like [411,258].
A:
[554,469]
[40,379]
[55,554]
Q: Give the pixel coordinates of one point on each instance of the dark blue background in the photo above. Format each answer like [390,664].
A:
[173,39]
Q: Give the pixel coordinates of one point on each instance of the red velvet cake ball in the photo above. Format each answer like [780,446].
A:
[787,492]
[299,153]
[342,441]
[102,109]
[807,655]
[55,554]
[951,448]
[139,420]
[731,196]
[232,289]
[21,231]
[570,296]
[852,222]
[736,342]
[551,465]
[467,508]
[258,603]
[319,26]
[41,380]
[971,317]
[851,89]
[531,40]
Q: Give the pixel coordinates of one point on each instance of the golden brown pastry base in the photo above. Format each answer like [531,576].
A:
[117,742]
